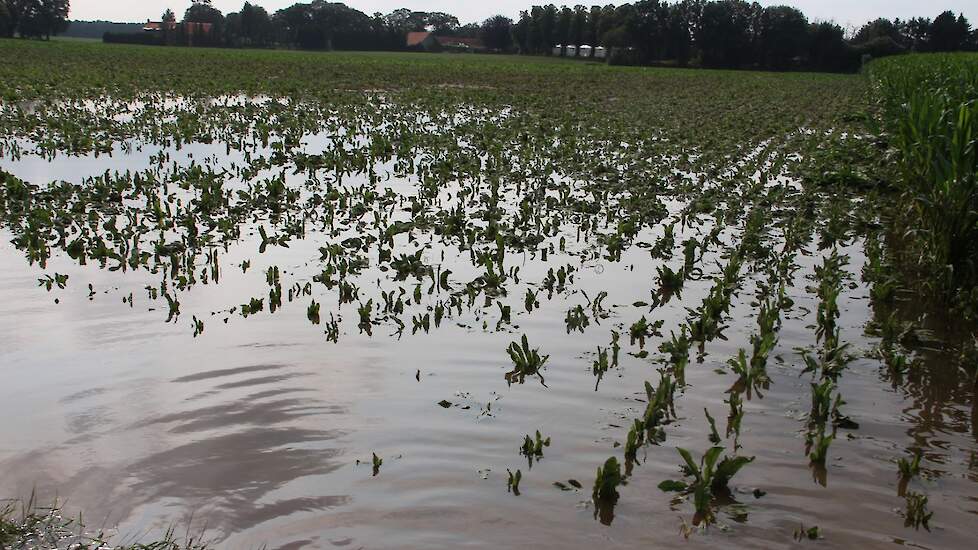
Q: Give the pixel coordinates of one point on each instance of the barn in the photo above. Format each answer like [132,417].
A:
[428,42]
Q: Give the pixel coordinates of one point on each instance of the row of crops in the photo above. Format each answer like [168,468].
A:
[929,110]
[693,248]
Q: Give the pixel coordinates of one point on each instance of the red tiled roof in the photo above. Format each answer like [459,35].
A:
[415,38]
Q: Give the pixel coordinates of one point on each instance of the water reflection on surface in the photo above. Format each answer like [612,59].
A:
[254,429]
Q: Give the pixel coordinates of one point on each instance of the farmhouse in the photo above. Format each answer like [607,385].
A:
[428,42]
[190,28]
[422,41]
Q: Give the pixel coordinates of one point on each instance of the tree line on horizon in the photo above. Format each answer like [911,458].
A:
[33,18]
[733,34]
[318,25]
[700,33]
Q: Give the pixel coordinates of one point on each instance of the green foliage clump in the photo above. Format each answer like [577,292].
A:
[930,115]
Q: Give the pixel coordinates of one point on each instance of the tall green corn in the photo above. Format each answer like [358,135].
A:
[930,111]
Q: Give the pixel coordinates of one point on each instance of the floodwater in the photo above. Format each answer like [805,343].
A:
[260,431]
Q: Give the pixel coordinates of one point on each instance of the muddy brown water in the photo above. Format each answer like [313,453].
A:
[252,432]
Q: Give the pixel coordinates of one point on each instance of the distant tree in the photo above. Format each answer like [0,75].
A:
[39,18]
[617,37]
[441,23]
[548,27]
[291,22]
[201,11]
[6,20]
[783,36]
[534,31]
[647,28]
[562,26]
[828,49]
[964,27]
[384,37]
[877,29]
[724,33]
[256,25]
[605,24]
[949,33]
[915,34]
[469,30]
[233,36]
[340,27]
[403,21]
[496,33]
[617,32]
[327,26]
[26,15]
[521,32]
[593,24]
[166,20]
[56,16]
[678,33]
[880,47]
[578,26]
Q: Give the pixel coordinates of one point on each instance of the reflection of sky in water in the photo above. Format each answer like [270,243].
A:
[255,427]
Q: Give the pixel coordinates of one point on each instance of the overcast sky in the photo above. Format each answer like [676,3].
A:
[844,12]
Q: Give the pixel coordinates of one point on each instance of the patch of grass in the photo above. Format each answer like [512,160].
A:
[25,525]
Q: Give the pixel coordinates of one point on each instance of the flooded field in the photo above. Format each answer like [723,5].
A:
[424,316]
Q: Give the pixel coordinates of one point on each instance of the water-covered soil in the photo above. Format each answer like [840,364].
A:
[335,322]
